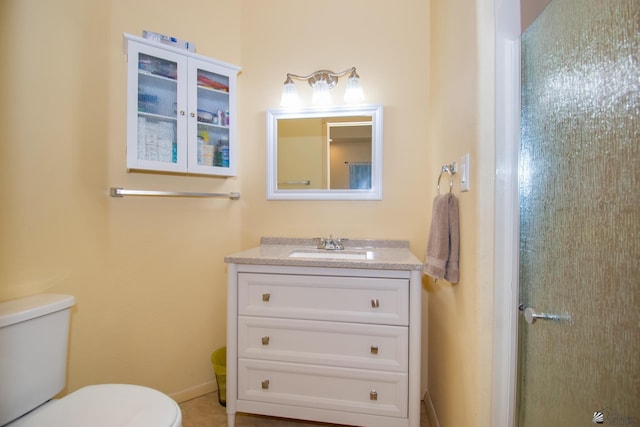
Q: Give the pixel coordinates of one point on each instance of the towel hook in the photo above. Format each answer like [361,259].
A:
[451,170]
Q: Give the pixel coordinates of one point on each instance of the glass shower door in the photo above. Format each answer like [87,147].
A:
[579,336]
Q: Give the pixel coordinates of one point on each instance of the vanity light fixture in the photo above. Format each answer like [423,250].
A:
[322,82]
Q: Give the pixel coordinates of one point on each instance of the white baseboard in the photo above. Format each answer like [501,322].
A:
[195,391]
[431,410]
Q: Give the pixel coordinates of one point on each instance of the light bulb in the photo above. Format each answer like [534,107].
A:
[289,94]
[353,93]
[321,95]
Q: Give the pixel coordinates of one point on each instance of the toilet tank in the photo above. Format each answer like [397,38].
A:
[34,335]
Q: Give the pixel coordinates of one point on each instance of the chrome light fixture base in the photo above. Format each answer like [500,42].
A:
[328,76]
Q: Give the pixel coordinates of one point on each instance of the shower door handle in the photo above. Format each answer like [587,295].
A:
[530,315]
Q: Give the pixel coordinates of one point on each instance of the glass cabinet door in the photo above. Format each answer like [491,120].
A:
[211,150]
[157,99]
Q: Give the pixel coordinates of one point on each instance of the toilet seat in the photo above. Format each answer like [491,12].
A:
[107,405]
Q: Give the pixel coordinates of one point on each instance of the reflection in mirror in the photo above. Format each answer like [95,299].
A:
[325,154]
[349,155]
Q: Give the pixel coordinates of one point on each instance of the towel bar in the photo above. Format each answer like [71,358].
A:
[120,192]
[301,182]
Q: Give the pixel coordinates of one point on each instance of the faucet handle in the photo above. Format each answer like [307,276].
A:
[330,243]
[339,242]
[321,242]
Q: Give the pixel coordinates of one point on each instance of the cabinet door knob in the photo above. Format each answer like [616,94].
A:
[375,303]
[265,340]
[265,385]
[192,114]
[266,297]
[373,395]
[182,112]
[374,349]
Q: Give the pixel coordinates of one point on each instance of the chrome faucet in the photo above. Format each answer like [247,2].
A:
[330,244]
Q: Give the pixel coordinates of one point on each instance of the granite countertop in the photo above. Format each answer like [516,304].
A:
[380,254]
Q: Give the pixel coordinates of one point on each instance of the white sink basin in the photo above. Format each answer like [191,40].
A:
[324,254]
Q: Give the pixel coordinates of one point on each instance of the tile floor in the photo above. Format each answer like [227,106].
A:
[205,411]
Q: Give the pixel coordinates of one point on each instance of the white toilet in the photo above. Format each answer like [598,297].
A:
[34,335]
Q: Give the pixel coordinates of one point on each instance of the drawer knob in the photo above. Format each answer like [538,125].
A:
[266,297]
[265,340]
[373,395]
[375,303]
[265,385]
[374,349]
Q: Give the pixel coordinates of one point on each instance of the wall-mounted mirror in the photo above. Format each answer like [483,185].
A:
[325,153]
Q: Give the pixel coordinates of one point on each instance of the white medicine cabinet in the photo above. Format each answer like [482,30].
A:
[181,110]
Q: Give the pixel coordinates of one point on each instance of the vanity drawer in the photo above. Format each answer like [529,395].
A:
[341,389]
[334,298]
[352,345]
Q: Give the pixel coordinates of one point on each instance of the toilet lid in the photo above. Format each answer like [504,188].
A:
[109,405]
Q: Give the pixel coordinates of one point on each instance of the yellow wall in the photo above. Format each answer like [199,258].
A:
[148,273]
[388,45]
[461,120]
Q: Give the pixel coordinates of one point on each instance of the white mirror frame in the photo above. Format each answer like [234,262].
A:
[374,193]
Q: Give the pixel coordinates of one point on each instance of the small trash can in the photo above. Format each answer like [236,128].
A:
[219,361]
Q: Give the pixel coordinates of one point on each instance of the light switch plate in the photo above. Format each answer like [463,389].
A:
[464,172]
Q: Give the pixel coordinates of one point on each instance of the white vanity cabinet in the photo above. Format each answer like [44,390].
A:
[337,345]
[181,110]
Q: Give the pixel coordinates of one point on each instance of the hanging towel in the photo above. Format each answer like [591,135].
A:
[443,247]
